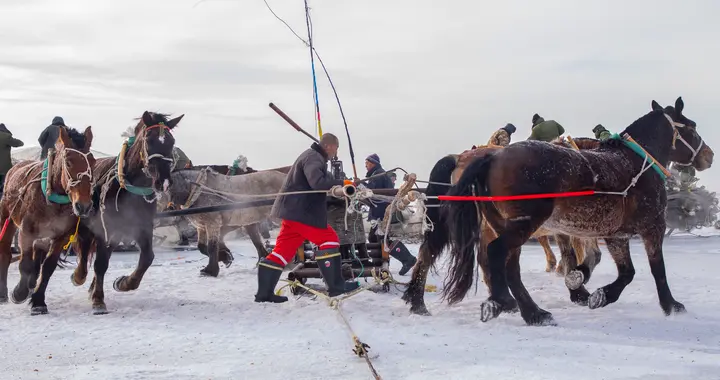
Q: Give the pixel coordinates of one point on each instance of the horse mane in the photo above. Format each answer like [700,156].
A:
[77,138]
[157,119]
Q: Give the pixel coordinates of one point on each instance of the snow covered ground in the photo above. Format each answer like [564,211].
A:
[181,326]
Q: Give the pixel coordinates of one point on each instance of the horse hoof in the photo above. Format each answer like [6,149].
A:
[574,280]
[540,318]
[209,273]
[76,283]
[489,310]
[99,310]
[117,282]
[38,310]
[597,299]
[675,308]
[3,299]
[420,310]
[17,297]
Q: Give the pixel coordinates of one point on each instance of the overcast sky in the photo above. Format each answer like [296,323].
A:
[418,79]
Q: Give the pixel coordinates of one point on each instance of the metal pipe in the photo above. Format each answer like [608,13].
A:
[218,208]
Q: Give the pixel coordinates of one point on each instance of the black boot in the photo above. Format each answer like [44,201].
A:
[330,263]
[400,252]
[268,276]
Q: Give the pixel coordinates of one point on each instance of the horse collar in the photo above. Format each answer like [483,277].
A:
[53,197]
[637,149]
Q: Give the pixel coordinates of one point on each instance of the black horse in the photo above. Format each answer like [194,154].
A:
[125,204]
[633,204]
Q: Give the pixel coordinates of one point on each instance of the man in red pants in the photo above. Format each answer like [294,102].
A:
[304,217]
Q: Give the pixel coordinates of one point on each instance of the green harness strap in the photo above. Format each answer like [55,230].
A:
[640,152]
[137,190]
[54,198]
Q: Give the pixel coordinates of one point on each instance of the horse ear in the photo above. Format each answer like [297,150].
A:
[656,107]
[174,122]
[65,137]
[679,105]
[88,138]
[148,119]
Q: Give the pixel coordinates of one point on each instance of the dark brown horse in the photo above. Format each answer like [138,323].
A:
[628,201]
[126,204]
[45,199]
[448,170]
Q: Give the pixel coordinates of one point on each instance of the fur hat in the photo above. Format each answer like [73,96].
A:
[57,120]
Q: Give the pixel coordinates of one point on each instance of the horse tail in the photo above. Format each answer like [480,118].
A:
[463,221]
[438,238]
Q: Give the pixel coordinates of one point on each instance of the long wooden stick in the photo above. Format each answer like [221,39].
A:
[291,122]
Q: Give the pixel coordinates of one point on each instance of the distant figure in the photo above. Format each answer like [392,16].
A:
[7,142]
[502,136]
[543,130]
[381,180]
[601,133]
[181,159]
[49,136]
[393,178]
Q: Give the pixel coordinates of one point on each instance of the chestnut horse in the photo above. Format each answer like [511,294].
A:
[44,199]
[627,201]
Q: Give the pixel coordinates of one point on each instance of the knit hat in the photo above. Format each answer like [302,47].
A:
[374,158]
[509,128]
[537,119]
[57,120]
[599,128]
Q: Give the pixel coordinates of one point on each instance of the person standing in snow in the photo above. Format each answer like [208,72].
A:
[7,142]
[304,217]
[181,159]
[379,179]
[49,136]
[502,136]
[545,130]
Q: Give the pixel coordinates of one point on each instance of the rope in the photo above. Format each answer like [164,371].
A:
[73,237]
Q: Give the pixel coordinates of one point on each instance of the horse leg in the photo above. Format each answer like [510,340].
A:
[144,241]
[40,252]
[574,282]
[581,274]
[254,232]
[202,241]
[100,266]
[550,260]
[37,300]
[85,241]
[508,304]
[224,253]
[653,246]
[213,243]
[504,271]
[5,258]
[21,292]
[620,251]
[530,312]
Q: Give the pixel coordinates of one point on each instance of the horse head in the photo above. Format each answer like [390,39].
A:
[693,151]
[153,148]
[75,161]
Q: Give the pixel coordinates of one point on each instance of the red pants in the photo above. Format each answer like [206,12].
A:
[293,234]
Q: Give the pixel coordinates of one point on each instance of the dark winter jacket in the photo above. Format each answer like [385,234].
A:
[309,172]
[7,142]
[546,130]
[381,182]
[181,159]
[49,136]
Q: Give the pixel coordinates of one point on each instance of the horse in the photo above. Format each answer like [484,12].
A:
[206,187]
[627,201]
[447,171]
[125,204]
[45,199]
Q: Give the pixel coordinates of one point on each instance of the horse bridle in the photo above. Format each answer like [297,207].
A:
[144,154]
[678,136]
[73,182]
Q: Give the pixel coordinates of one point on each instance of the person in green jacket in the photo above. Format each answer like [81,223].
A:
[7,142]
[181,159]
[601,133]
[545,130]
